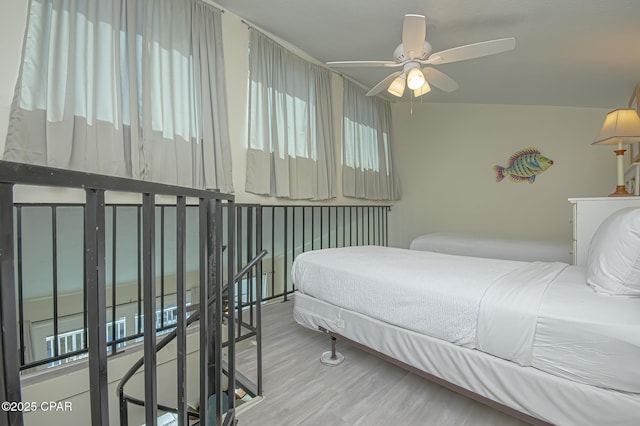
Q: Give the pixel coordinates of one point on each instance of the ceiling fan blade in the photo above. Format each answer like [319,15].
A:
[471,51]
[439,79]
[414,31]
[390,64]
[383,84]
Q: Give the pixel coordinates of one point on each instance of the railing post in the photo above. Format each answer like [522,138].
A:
[149,291]
[54,275]
[9,365]
[20,283]
[239,230]
[285,225]
[259,296]
[203,309]
[231,348]
[251,239]
[124,409]
[114,270]
[214,287]
[96,305]
[181,326]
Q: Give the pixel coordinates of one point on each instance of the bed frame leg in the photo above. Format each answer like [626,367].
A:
[332,357]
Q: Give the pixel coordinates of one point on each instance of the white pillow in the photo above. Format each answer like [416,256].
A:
[613,260]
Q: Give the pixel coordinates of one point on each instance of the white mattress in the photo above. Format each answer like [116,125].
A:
[420,291]
[493,247]
[572,331]
[526,389]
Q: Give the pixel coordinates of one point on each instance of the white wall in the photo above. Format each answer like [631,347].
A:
[445,155]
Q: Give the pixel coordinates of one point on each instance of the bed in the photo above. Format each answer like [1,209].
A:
[547,342]
[492,246]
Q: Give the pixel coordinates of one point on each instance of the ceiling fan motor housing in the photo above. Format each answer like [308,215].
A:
[399,56]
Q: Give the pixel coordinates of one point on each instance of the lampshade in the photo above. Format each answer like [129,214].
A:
[396,88]
[415,79]
[621,126]
[422,90]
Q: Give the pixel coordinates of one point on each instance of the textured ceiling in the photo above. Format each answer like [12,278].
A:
[582,53]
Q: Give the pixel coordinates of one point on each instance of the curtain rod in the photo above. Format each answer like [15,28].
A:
[309,58]
[213,5]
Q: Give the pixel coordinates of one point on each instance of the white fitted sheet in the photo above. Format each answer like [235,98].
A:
[526,389]
[493,247]
[572,332]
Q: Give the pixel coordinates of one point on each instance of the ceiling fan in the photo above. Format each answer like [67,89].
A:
[415,51]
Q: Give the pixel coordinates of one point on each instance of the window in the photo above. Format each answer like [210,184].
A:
[126,87]
[164,319]
[74,340]
[290,130]
[367,161]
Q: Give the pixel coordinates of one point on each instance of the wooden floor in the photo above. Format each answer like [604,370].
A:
[363,390]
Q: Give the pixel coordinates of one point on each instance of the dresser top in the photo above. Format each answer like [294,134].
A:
[613,199]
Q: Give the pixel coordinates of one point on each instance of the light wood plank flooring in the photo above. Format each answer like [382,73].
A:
[363,390]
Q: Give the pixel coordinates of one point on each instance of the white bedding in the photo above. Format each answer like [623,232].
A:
[493,247]
[525,389]
[423,292]
[556,324]
[509,311]
[587,336]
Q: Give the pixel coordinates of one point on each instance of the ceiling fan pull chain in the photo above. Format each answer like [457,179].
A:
[411,102]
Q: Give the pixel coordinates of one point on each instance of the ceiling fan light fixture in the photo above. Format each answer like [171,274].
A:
[422,90]
[414,52]
[396,88]
[415,79]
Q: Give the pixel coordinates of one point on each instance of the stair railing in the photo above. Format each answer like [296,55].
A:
[125,399]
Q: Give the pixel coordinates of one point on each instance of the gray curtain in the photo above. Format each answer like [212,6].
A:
[126,88]
[367,158]
[291,143]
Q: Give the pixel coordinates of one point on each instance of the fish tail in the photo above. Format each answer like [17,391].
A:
[499,173]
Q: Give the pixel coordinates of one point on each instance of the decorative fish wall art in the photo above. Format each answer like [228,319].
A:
[523,166]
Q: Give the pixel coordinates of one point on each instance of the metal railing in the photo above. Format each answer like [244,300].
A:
[290,230]
[210,278]
[48,229]
[125,399]
[57,266]
[284,230]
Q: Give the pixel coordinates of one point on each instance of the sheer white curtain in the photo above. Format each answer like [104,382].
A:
[291,146]
[127,88]
[367,160]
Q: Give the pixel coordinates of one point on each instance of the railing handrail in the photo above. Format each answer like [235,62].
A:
[36,175]
[340,216]
[94,187]
[192,318]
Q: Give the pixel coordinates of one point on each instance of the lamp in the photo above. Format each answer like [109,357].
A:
[621,126]
[396,88]
[422,90]
[415,79]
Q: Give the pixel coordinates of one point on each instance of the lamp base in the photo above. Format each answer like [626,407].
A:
[621,191]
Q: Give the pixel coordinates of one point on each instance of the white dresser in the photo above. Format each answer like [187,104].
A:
[588,214]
